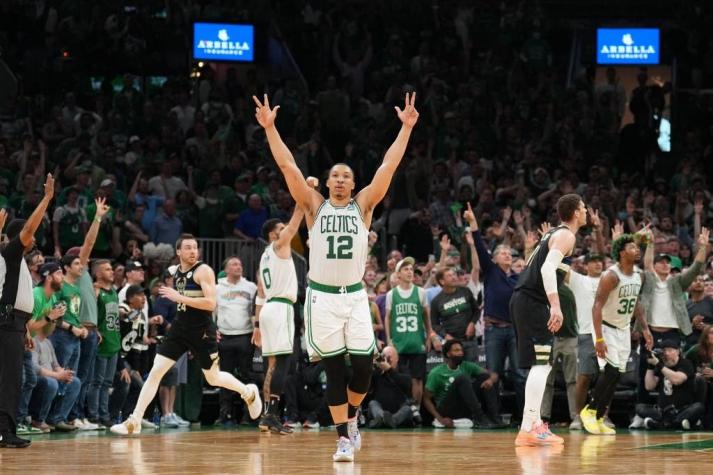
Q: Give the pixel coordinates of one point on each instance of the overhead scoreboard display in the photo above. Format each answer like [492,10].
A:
[628,46]
[223,42]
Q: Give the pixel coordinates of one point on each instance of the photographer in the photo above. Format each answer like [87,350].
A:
[674,379]
[391,403]
[455,389]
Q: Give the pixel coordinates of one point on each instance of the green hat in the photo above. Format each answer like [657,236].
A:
[221,274]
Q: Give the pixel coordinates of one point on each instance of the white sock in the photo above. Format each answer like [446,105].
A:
[534,392]
[161,365]
[223,379]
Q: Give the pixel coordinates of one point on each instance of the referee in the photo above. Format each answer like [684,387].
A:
[15,309]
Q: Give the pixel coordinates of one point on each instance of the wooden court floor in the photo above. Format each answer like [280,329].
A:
[246,451]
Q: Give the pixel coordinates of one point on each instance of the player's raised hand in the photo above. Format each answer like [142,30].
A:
[703,238]
[49,186]
[313,182]
[264,115]
[409,115]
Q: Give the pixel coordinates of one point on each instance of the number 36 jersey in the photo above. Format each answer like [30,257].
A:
[338,245]
[278,275]
[619,307]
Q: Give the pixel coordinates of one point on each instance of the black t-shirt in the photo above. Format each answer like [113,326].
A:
[702,307]
[391,389]
[451,313]
[681,395]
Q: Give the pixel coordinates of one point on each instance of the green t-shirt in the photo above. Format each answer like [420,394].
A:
[441,378]
[88,308]
[406,322]
[43,305]
[108,323]
[72,296]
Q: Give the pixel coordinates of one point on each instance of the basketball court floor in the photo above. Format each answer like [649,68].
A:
[247,451]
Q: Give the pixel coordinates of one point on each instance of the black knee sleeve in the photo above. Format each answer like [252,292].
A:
[335,367]
[362,366]
[279,375]
[605,388]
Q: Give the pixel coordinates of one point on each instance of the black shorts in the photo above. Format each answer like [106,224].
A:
[200,340]
[534,340]
[414,364]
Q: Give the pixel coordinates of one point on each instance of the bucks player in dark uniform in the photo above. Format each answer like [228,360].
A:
[535,309]
[193,329]
[408,328]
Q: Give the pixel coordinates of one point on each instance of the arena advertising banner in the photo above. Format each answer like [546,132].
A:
[627,46]
[223,42]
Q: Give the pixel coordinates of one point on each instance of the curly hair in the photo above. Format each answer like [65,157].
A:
[619,244]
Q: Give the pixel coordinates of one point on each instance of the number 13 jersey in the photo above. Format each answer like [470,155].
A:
[278,275]
[338,245]
[619,307]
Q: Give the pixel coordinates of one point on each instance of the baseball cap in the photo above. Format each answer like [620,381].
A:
[133,265]
[406,261]
[593,256]
[669,343]
[676,262]
[49,268]
[661,257]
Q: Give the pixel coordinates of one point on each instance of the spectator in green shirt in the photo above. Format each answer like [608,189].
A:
[455,389]
[46,310]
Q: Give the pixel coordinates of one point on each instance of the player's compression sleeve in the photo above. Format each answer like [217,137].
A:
[549,270]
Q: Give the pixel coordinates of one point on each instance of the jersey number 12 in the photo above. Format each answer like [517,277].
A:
[344,247]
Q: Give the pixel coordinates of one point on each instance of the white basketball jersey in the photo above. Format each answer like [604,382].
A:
[278,275]
[619,307]
[338,245]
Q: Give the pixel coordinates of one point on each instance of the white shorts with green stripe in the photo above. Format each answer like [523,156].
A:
[338,323]
[618,341]
[277,328]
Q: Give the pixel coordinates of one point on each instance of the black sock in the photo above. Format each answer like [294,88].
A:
[342,430]
[352,411]
[273,405]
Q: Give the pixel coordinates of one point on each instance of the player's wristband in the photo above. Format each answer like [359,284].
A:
[260,301]
[256,323]
[599,340]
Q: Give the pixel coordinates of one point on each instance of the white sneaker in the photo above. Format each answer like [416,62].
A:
[252,399]
[437,424]
[686,424]
[462,423]
[181,421]
[576,424]
[354,435]
[78,423]
[637,423]
[311,424]
[169,422]
[130,426]
[86,425]
[345,451]
[147,424]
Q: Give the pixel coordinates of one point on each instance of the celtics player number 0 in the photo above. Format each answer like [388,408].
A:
[344,247]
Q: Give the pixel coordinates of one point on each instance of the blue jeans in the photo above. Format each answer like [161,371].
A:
[98,391]
[85,372]
[42,397]
[61,404]
[29,380]
[501,344]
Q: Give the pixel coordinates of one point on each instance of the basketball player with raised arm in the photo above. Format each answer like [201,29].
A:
[535,309]
[615,303]
[337,317]
[193,329]
[274,311]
